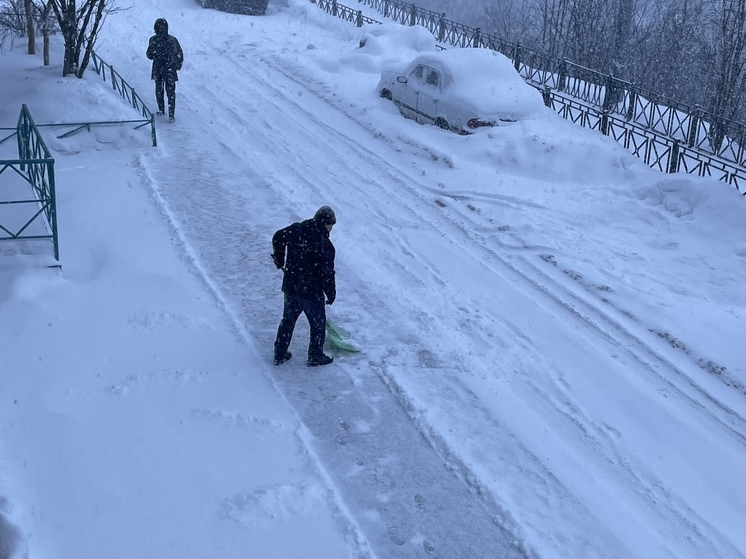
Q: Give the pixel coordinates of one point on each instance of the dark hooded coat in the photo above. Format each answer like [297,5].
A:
[165,52]
[307,254]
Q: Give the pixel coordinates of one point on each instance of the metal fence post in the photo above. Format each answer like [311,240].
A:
[413,15]
[546,94]
[691,137]
[610,93]
[717,133]
[632,103]
[442,27]
[605,122]
[152,130]
[562,75]
[385,8]
[24,137]
[52,216]
[359,19]
[673,164]
[477,41]
[334,8]
[517,57]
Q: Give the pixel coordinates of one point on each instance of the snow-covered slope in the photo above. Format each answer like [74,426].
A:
[551,363]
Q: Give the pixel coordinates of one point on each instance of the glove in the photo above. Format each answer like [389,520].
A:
[330,298]
[278,262]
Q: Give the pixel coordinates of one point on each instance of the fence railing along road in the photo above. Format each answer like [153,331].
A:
[668,135]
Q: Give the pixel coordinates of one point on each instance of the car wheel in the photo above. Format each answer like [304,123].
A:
[386,94]
[442,123]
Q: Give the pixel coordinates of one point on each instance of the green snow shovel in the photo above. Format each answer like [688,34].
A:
[335,338]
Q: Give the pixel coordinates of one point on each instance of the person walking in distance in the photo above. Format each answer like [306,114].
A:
[306,254]
[165,52]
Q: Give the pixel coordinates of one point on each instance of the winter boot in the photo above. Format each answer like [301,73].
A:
[320,360]
[279,360]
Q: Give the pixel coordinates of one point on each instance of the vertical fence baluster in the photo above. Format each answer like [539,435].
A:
[517,57]
[632,102]
[562,75]
[694,119]
[673,163]
[546,94]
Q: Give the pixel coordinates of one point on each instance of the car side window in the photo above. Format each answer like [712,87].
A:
[433,78]
[418,73]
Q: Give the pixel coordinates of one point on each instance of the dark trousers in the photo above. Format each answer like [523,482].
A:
[170,86]
[315,313]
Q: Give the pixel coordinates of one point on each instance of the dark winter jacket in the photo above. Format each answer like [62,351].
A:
[307,254]
[165,52]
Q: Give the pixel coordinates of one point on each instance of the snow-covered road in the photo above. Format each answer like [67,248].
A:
[551,363]
[477,325]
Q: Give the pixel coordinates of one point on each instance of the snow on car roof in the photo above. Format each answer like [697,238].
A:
[486,79]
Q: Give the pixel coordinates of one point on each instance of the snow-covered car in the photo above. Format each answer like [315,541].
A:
[461,89]
[246,7]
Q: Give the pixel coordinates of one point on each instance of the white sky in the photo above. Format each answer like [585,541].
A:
[552,359]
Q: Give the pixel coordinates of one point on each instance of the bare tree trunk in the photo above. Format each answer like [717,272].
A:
[90,39]
[66,17]
[731,58]
[80,28]
[45,29]
[30,26]
[623,34]
[730,66]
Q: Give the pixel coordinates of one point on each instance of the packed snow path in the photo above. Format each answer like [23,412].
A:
[406,489]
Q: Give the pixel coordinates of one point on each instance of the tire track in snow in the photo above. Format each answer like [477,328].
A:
[592,312]
[253,241]
[614,332]
[409,495]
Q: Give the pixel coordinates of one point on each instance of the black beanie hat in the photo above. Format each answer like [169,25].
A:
[325,215]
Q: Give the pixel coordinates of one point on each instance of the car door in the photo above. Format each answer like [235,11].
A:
[429,95]
[407,94]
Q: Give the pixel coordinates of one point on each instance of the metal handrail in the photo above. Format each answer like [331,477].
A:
[106,72]
[35,165]
[691,133]
[698,127]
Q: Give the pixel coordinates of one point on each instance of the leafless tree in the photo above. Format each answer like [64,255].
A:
[670,60]
[29,12]
[554,18]
[729,58]
[12,20]
[80,26]
[44,10]
[622,39]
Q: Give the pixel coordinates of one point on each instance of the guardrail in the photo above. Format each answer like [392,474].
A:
[695,141]
[35,166]
[659,151]
[346,13]
[107,73]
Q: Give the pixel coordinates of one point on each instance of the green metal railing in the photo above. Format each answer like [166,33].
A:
[35,166]
[107,73]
